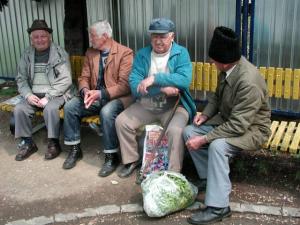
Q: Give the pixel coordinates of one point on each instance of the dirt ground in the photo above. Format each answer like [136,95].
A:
[36,187]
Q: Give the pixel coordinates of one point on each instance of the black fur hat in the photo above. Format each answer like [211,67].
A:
[224,46]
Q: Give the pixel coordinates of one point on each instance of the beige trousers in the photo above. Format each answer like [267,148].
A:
[136,116]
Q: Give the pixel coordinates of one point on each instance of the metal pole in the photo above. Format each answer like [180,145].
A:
[238,17]
[252,16]
[245,28]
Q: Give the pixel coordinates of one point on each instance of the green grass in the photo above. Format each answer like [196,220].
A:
[11,91]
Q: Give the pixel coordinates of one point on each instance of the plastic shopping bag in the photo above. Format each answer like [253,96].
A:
[154,160]
[166,192]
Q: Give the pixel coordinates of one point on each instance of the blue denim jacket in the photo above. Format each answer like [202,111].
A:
[180,75]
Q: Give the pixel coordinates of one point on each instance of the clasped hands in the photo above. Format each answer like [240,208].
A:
[90,96]
[36,101]
[196,142]
[142,87]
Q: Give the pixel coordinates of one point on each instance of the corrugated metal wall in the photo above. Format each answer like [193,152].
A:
[14,21]
[277,33]
[195,20]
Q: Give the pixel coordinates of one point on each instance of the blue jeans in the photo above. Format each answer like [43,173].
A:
[74,110]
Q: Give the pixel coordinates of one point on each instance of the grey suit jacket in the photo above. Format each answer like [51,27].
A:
[241,110]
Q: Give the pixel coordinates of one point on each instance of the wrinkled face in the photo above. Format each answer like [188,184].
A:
[97,41]
[161,42]
[40,39]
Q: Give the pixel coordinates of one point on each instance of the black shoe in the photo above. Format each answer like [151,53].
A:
[26,150]
[210,215]
[127,170]
[53,150]
[74,154]
[110,165]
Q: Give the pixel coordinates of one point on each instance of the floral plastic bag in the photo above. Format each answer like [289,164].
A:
[154,160]
[165,192]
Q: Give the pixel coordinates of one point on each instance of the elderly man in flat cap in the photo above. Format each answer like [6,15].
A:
[44,81]
[236,118]
[160,72]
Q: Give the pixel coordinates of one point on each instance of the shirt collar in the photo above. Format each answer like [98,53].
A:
[228,72]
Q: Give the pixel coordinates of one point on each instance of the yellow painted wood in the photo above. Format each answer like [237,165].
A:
[263,71]
[278,82]
[273,128]
[288,137]
[287,83]
[192,86]
[214,77]
[278,136]
[199,79]
[206,71]
[270,81]
[295,142]
[296,82]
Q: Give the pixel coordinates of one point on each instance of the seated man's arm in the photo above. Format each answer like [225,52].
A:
[247,103]
[62,79]
[84,80]
[181,77]
[23,78]
[122,86]
[138,74]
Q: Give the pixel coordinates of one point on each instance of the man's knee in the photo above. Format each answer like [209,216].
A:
[70,106]
[50,109]
[174,132]
[120,121]
[187,132]
[216,147]
[19,110]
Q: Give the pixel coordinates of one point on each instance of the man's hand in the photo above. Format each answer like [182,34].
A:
[43,102]
[33,100]
[90,97]
[170,91]
[142,87]
[199,119]
[196,142]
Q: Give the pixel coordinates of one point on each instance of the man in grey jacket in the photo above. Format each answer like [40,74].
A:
[237,117]
[44,81]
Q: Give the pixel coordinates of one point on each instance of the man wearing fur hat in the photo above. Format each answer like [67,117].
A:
[44,81]
[237,117]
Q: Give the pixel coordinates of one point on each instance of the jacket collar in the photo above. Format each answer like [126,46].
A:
[55,55]
[235,75]
[113,50]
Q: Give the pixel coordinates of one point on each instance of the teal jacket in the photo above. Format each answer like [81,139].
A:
[180,75]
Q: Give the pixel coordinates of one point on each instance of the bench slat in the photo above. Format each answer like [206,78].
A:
[295,143]
[279,134]
[288,137]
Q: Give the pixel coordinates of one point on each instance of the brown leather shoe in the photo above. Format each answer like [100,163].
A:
[25,150]
[54,149]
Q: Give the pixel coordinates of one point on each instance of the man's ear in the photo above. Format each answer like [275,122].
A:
[105,35]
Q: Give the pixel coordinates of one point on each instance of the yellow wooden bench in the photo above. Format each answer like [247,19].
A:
[282,83]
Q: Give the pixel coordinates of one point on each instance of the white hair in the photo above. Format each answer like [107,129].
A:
[101,27]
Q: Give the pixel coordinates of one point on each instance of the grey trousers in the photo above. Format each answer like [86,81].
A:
[136,116]
[24,112]
[212,163]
